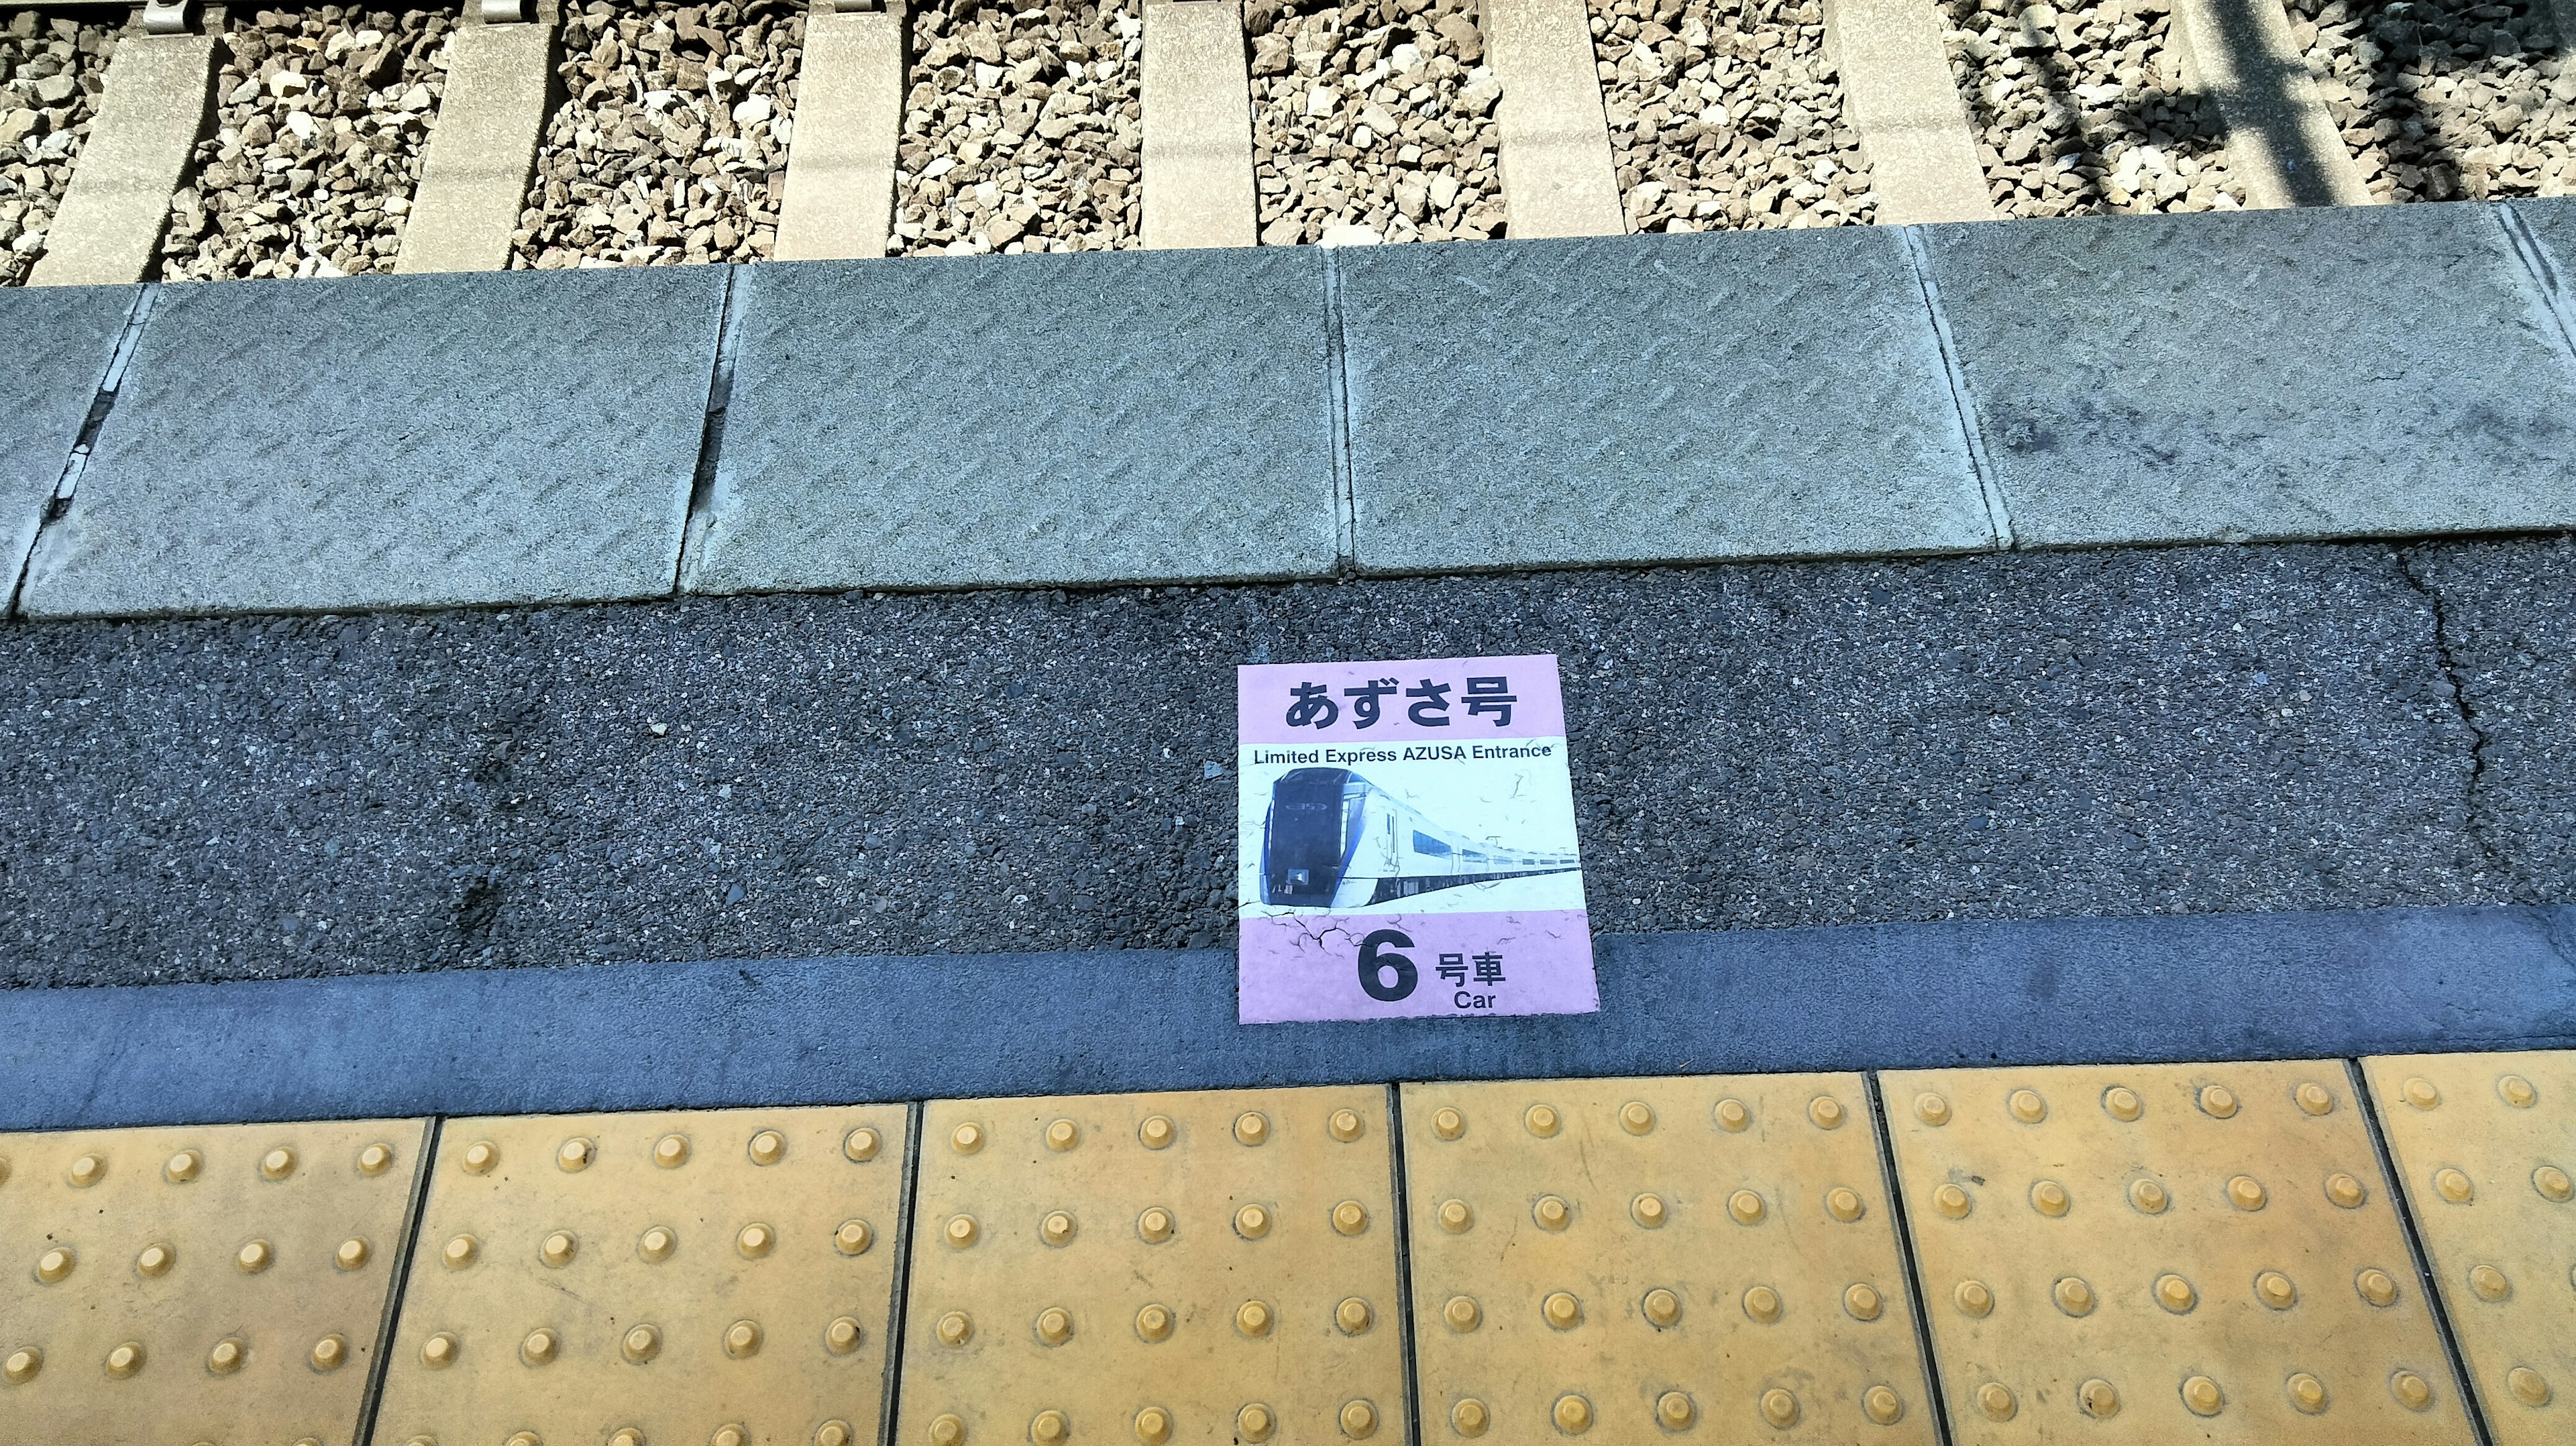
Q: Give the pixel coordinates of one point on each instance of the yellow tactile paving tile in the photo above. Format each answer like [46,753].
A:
[719,1277]
[2165,1253]
[1688,1258]
[216,1283]
[1208,1268]
[2486,1144]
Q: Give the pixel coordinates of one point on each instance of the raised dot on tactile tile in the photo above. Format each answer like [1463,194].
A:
[2420,1093]
[956,1328]
[2027,1106]
[55,1264]
[1762,1303]
[671,1151]
[1155,1225]
[1952,1201]
[861,1145]
[86,1171]
[575,1154]
[853,1237]
[2098,1399]
[439,1351]
[1157,1132]
[524,1438]
[1447,1123]
[277,1164]
[227,1356]
[1882,1405]
[254,1257]
[479,1158]
[960,1231]
[1649,1211]
[1252,1127]
[1252,1318]
[183,1167]
[2306,1392]
[2489,1282]
[22,1365]
[1827,1112]
[2454,1186]
[2410,1390]
[1063,1135]
[2314,1098]
[1637,1117]
[834,1433]
[742,1339]
[1462,1313]
[558,1249]
[352,1254]
[1153,1426]
[1344,1125]
[1350,1218]
[1572,1414]
[1055,1325]
[1973,1298]
[459,1252]
[2218,1102]
[1542,1120]
[1049,1427]
[1470,1418]
[2246,1193]
[1358,1419]
[1252,1221]
[967,1138]
[1254,1423]
[1551,1213]
[539,1346]
[2049,1198]
[657,1243]
[2345,1192]
[1779,1407]
[2148,1197]
[2516,1091]
[1931,1109]
[1455,1216]
[1056,1228]
[2202,1395]
[1674,1411]
[641,1344]
[1662,1307]
[947,1431]
[329,1353]
[125,1360]
[2122,1103]
[2552,1183]
[1732,1116]
[1154,1324]
[1561,1311]
[2073,1296]
[1353,1316]
[2175,1293]
[2275,1290]
[2528,1386]
[156,1260]
[2376,1286]
[626,1436]
[1863,1302]
[1996,1400]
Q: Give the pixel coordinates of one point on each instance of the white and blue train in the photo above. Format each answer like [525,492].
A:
[1334,840]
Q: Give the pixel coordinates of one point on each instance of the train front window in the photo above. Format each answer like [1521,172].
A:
[1312,829]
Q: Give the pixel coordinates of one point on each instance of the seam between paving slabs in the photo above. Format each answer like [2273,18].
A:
[102,401]
[1962,401]
[916,1115]
[2424,1279]
[1940,1406]
[374,1397]
[702,481]
[1337,404]
[1402,1208]
[2544,277]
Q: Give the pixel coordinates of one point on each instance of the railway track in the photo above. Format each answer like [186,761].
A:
[244,142]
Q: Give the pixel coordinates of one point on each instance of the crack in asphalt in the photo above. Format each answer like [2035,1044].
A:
[2455,680]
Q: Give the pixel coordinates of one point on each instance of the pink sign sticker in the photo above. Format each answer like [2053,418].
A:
[1407,842]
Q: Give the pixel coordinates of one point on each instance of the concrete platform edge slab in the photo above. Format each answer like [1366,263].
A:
[727,1033]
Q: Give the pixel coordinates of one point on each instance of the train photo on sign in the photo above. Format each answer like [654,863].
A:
[1334,840]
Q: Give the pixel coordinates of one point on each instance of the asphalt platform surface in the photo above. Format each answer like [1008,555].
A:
[2047,735]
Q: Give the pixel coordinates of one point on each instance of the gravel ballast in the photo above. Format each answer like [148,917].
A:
[1373,122]
[671,143]
[2082,110]
[2035,735]
[2443,102]
[1726,114]
[1022,131]
[51,71]
[321,117]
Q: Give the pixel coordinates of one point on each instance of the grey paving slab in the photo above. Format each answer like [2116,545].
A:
[1649,399]
[2350,372]
[396,442]
[1111,417]
[58,341]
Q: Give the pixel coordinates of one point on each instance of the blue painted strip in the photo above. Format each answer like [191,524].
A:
[636,1036]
